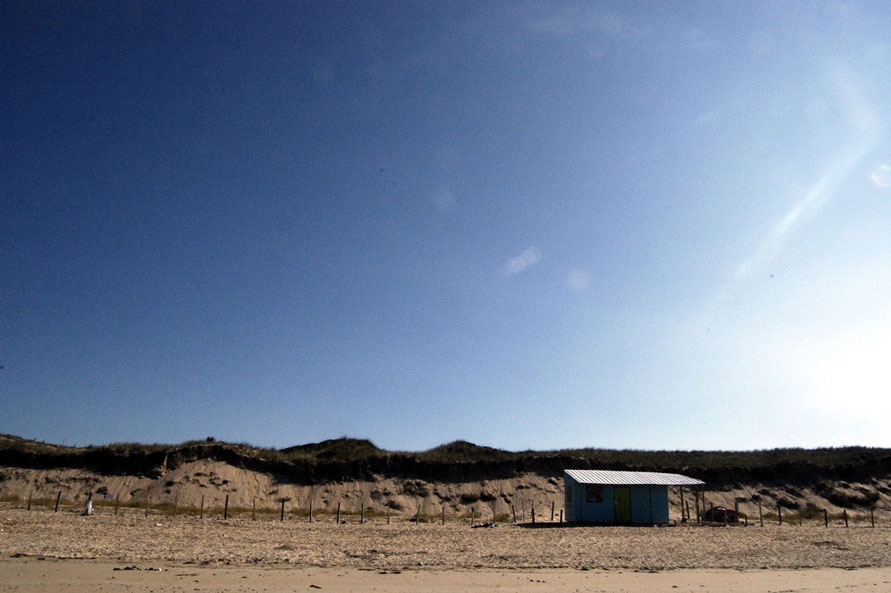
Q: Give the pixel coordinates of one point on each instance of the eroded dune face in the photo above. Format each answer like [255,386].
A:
[207,484]
[213,481]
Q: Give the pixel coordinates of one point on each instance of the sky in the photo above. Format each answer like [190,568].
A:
[529,225]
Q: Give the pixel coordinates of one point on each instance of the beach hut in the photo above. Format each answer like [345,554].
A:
[619,497]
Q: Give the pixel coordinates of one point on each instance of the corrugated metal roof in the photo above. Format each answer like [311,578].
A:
[621,478]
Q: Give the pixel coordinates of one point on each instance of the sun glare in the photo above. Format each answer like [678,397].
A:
[856,376]
[881,176]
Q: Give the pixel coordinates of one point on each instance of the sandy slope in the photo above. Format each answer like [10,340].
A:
[213,481]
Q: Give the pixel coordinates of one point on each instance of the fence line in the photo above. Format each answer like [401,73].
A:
[367,513]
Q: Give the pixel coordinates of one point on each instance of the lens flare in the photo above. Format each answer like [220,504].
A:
[881,176]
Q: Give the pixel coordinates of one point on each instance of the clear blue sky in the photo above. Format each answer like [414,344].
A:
[527,225]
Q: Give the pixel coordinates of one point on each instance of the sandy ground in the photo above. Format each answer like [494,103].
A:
[83,576]
[188,540]
[45,551]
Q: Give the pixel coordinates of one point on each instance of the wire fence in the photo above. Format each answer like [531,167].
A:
[485,512]
[283,509]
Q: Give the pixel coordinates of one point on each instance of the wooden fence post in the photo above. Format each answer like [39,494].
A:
[29,500]
[312,497]
[825,518]
[552,511]
[682,505]
[117,502]
[561,516]
[254,508]
[282,516]
[146,504]
[513,510]
[443,514]
[472,513]
[845,511]
[780,514]
[202,507]
[338,513]
[58,498]
[388,514]
[872,517]
[226,509]
[760,514]
[362,513]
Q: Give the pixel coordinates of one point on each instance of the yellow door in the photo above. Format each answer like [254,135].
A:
[623,504]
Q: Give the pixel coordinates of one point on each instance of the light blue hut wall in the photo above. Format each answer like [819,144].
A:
[640,504]
[603,511]
[660,504]
[570,497]
[579,508]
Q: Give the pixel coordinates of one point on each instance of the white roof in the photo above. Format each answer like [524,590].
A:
[621,478]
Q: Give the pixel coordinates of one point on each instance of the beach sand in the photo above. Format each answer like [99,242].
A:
[89,576]
[41,550]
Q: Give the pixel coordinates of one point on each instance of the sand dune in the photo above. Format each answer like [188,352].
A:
[213,481]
